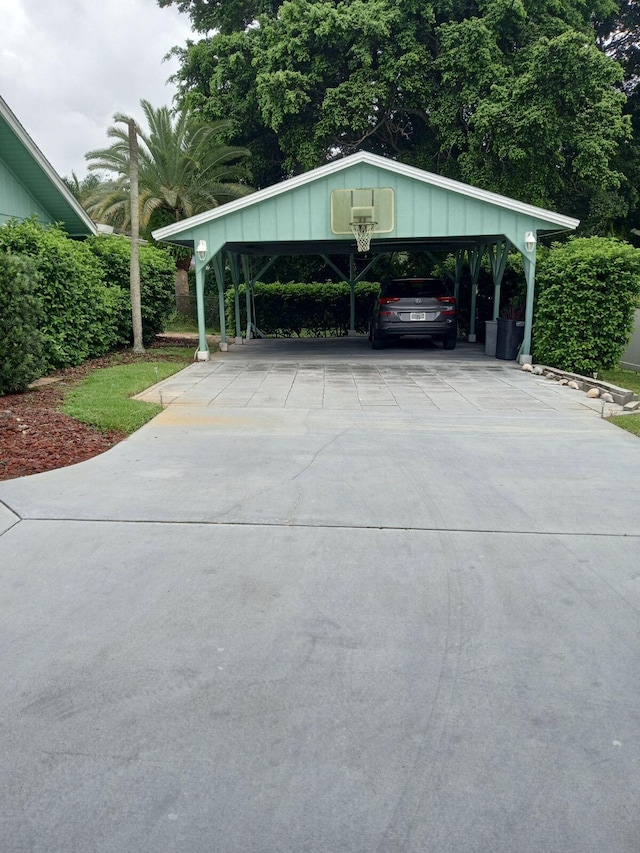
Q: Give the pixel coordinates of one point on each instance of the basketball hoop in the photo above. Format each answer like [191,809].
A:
[362,231]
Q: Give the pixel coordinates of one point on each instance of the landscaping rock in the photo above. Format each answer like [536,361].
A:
[538,371]
[606,397]
[563,381]
[550,375]
[528,368]
[573,384]
[594,392]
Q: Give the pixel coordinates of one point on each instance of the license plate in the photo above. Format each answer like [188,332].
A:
[418,315]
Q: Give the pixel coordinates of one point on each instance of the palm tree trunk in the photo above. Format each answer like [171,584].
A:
[183,302]
[136,305]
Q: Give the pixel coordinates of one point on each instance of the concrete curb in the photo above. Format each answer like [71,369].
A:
[621,396]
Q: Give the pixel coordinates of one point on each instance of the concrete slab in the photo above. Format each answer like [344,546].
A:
[7,518]
[201,687]
[336,617]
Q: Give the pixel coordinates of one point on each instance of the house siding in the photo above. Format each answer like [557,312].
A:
[631,356]
[16,202]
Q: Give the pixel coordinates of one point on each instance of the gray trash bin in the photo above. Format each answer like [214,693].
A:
[510,336]
[490,337]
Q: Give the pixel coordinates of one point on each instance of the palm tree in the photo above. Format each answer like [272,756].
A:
[82,189]
[184,169]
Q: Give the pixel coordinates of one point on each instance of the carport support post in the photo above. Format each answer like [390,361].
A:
[235,277]
[352,297]
[218,266]
[498,255]
[459,268]
[246,272]
[529,259]
[475,260]
[203,346]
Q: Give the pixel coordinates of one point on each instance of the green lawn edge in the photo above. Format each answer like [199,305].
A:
[103,399]
[624,379]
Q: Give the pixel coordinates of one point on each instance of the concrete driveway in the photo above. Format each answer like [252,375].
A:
[397,614]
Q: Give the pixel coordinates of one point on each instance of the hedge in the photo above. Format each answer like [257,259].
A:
[21,342]
[588,291]
[83,290]
[293,309]
[157,281]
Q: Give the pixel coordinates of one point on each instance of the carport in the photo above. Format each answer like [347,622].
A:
[427,213]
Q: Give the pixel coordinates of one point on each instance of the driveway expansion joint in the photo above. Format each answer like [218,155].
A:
[11,523]
[285,524]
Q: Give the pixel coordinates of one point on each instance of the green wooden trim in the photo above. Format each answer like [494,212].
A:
[362,274]
[266,267]
[330,263]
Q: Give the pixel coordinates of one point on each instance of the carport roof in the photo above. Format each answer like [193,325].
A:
[431,210]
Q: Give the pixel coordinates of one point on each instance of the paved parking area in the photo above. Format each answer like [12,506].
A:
[346,374]
[310,608]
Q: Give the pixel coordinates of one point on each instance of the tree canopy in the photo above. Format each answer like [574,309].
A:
[520,97]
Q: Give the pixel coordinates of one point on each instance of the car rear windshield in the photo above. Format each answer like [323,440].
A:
[411,287]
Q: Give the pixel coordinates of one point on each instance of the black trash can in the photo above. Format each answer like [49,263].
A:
[510,336]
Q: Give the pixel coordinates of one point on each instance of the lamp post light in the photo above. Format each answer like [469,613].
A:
[530,241]
[201,251]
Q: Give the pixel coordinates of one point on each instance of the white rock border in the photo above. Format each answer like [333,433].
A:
[607,392]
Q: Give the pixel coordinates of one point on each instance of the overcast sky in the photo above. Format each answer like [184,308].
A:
[66,66]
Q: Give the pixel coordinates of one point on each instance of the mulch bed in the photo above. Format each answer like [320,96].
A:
[35,436]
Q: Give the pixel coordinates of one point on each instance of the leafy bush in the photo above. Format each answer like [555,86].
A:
[589,289]
[157,281]
[21,342]
[78,315]
[83,290]
[286,310]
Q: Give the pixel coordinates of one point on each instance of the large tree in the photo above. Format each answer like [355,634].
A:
[185,168]
[514,95]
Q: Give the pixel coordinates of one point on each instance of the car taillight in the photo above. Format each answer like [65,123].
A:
[385,300]
[450,300]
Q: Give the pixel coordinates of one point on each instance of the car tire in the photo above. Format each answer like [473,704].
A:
[376,341]
[450,341]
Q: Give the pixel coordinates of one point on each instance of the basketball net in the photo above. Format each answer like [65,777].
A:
[362,232]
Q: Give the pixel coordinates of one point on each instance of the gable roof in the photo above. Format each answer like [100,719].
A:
[553,221]
[32,170]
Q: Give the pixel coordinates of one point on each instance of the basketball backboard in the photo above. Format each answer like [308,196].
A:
[363,205]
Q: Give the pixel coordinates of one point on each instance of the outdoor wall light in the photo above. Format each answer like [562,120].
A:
[201,251]
[530,241]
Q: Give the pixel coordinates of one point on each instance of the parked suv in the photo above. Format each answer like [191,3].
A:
[423,307]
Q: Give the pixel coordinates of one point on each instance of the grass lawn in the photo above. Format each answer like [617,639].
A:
[103,398]
[625,379]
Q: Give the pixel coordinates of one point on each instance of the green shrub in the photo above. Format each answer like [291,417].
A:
[157,281]
[21,341]
[288,310]
[83,290]
[70,290]
[588,291]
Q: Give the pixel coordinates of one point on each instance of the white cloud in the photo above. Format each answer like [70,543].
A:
[66,66]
